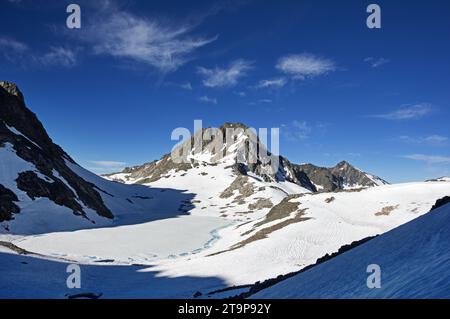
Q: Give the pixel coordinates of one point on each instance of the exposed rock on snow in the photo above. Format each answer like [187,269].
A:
[8,206]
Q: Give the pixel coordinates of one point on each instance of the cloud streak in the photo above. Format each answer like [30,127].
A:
[225,77]
[433,140]
[304,66]
[163,46]
[105,167]
[207,99]
[109,163]
[18,52]
[296,131]
[59,56]
[271,83]
[406,113]
[376,62]
[429,159]
[12,44]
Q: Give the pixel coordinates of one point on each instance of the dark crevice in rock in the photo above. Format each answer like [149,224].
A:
[7,205]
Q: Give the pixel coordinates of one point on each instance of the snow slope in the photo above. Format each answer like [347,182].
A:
[349,217]
[131,204]
[414,260]
[334,219]
[31,276]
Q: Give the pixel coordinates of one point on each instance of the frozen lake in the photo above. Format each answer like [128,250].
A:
[141,243]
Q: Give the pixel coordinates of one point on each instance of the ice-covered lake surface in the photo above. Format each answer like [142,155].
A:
[116,262]
[142,243]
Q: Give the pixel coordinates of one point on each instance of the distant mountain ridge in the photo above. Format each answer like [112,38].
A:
[343,176]
[440,179]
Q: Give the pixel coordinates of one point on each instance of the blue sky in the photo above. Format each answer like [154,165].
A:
[111,92]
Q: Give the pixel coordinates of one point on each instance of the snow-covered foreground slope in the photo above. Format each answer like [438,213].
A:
[29,276]
[414,260]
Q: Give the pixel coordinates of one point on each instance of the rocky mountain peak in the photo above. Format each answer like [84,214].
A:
[15,115]
[343,164]
[234,125]
[11,88]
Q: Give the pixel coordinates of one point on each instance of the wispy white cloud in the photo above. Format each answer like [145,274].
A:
[19,52]
[296,130]
[303,66]
[225,77]
[261,101]
[59,56]
[105,167]
[376,62]
[406,112]
[186,86]
[433,140]
[429,159]
[207,99]
[271,83]
[109,163]
[13,45]
[162,45]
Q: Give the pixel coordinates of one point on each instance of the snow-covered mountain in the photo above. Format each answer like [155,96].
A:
[231,156]
[341,177]
[171,229]
[414,261]
[440,179]
[42,189]
[33,165]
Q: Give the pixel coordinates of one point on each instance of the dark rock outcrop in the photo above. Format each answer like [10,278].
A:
[441,202]
[322,178]
[339,177]
[7,204]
